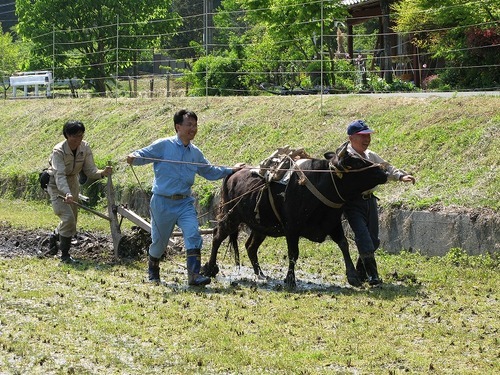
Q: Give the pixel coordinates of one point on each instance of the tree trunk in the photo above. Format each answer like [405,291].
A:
[100,86]
[387,65]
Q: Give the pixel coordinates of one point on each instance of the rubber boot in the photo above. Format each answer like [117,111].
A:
[360,268]
[64,245]
[371,269]
[154,269]
[53,246]
[193,261]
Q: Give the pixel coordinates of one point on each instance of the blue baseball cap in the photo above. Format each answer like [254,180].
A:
[358,127]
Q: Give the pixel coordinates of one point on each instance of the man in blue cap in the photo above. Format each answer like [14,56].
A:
[362,213]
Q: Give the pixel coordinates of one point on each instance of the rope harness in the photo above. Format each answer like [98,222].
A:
[303,180]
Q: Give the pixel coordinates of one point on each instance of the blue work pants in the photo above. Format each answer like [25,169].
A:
[165,214]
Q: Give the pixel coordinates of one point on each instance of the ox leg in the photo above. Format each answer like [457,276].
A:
[293,256]
[252,245]
[221,232]
[233,240]
[350,271]
[360,268]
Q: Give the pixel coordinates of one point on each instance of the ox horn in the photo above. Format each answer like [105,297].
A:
[341,151]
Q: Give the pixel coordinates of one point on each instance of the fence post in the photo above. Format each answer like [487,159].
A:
[168,84]
[117,60]
[115,226]
[54,57]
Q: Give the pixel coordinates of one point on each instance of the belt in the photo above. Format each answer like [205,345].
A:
[176,197]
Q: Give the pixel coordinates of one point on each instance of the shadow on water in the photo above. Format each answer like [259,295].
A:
[234,279]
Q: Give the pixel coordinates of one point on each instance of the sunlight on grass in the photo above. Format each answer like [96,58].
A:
[436,139]
[98,318]
[431,315]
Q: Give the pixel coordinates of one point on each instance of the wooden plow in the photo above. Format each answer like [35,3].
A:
[114,210]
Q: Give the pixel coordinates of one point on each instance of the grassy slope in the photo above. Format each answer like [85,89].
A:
[450,145]
[432,316]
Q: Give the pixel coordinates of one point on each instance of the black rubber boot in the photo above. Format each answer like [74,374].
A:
[64,245]
[154,269]
[371,269]
[360,268]
[53,245]
[193,261]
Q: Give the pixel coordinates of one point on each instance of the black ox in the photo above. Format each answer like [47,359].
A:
[308,206]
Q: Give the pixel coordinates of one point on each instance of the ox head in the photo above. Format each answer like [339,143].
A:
[355,174]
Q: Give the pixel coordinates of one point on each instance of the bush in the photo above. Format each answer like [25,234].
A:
[346,75]
[219,73]
[431,82]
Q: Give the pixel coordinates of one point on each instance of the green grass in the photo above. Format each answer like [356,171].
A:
[39,215]
[433,315]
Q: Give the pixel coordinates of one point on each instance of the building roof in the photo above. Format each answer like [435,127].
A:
[354,2]
[363,4]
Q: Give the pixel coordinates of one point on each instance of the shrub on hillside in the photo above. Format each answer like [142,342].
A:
[215,76]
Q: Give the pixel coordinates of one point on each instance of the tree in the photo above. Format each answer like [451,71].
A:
[12,58]
[387,62]
[277,36]
[191,29]
[91,37]
[462,32]
[215,75]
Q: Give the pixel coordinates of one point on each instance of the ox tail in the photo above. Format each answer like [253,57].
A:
[224,197]
[233,242]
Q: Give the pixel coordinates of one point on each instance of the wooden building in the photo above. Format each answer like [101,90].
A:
[404,61]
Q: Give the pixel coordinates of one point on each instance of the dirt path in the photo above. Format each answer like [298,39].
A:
[89,246]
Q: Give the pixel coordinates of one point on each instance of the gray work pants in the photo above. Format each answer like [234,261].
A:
[362,215]
[67,213]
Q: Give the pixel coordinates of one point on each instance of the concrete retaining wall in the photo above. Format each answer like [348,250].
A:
[434,233]
[428,232]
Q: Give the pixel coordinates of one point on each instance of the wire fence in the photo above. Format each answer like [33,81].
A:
[133,63]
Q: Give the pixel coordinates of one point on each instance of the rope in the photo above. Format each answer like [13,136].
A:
[313,188]
[239,198]
[200,216]
[144,192]
[137,178]
[332,167]
[373,165]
